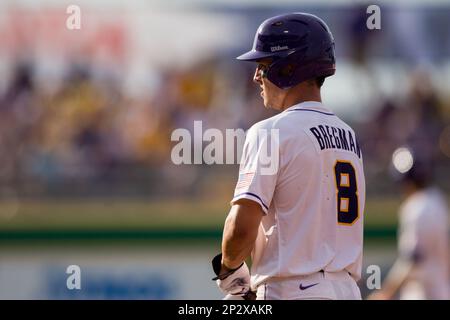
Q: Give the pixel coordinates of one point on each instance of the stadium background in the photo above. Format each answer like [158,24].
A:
[86,117]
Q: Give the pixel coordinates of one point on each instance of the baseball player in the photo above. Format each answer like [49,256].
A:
[422,269]
[298,209]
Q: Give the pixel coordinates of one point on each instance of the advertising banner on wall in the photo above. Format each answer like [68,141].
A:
[120,273]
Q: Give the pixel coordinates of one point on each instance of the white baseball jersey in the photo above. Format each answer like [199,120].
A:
[423,238]
[313,197]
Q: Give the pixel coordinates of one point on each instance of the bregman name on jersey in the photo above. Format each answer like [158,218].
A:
[329,137]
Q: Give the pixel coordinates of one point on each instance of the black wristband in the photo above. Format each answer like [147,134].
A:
[217,266]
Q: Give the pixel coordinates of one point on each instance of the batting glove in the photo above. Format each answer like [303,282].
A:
[235,282]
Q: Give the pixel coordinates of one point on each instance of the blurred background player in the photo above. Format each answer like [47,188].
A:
[422,269]
[302,221]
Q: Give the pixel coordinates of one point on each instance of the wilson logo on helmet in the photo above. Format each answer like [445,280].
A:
[278,48]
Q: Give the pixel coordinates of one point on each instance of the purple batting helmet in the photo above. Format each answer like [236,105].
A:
[301,46]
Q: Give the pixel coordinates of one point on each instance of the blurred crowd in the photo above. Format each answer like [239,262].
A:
[87,132]
[419,120]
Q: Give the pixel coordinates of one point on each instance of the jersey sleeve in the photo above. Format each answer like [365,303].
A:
[259,167]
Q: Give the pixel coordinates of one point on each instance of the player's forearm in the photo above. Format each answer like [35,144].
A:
[240,232]
[396,277]
[237,242]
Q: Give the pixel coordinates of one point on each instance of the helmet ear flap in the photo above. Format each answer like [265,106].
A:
[282,71]
[287,70]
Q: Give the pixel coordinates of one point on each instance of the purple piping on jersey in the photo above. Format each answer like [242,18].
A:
[328,114]
[254,195]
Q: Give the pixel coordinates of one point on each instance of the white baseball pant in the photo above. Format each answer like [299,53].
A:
[320,286]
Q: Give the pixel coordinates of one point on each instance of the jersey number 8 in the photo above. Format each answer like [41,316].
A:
[347,192]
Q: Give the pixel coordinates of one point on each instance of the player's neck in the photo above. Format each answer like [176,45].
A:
[299,95]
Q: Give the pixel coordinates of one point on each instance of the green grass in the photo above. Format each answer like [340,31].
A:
[132,214]
[110,214]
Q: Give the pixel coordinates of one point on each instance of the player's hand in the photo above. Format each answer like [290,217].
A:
[378,295]
[234,282]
